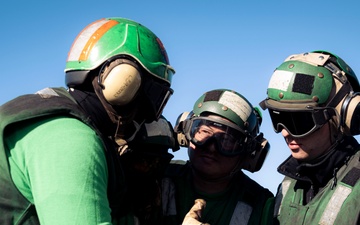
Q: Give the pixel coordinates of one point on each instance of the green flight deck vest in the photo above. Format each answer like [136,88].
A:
[337,203]
[48,102]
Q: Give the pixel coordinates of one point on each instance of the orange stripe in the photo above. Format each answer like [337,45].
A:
[95,38]
[72,49]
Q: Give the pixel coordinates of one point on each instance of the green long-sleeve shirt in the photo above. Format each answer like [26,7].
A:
[59,165]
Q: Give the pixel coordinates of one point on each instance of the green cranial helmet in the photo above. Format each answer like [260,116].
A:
[309,89]
[308,79]
[241,134]
[229,105]
[108,38]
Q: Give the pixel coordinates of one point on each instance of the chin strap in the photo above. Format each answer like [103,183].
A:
[120,138]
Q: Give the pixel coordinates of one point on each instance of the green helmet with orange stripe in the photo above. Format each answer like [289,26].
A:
[107,38]
[123,62]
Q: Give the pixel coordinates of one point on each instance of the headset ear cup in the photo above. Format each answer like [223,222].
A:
[350,113]
[181,138]
[180,129]
[120,83]
[254,160]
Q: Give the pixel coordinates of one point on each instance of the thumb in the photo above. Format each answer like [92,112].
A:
[193,217]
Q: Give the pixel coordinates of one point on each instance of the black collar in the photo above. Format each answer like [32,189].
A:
[95,110]
[321,170]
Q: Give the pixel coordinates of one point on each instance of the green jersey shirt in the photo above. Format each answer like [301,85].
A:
[243,202]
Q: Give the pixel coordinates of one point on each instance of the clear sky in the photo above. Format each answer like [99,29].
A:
[231,44]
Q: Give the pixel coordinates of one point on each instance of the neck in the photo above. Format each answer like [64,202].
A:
[210,185]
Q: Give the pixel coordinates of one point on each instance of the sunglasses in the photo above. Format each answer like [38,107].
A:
[300,123]
[229,139]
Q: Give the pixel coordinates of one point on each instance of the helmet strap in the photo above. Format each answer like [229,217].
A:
[343,91]
[121,137]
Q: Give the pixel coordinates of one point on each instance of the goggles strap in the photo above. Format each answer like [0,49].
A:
[322,116]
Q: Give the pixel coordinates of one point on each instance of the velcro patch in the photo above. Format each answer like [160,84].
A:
[352,177]
[213,95]
[303,83]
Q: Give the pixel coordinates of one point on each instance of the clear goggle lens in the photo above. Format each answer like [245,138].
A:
[230,140]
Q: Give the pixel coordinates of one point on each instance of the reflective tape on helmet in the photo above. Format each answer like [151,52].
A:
[236,104]
[280,80]
[88,37]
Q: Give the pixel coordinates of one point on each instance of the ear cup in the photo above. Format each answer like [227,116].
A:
[180,129]
[350,114]
[120,83]
[253,161]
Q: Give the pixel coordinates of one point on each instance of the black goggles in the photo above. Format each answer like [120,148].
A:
[229,139]
[300,123]
[158,94]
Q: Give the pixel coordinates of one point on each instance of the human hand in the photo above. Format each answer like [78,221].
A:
[194,215]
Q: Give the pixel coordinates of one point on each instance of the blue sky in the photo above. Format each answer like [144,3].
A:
[229,44]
